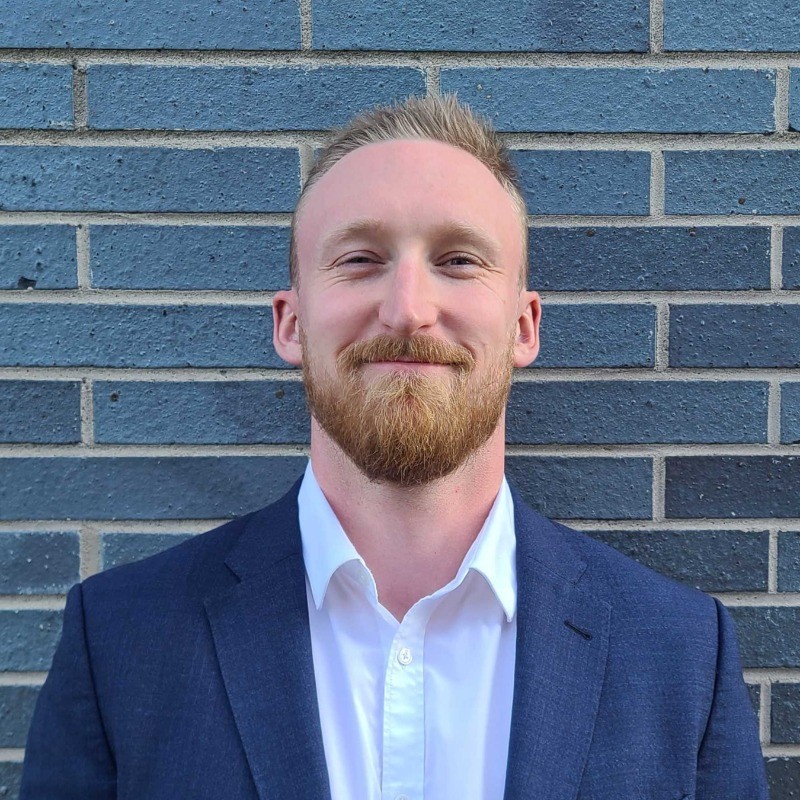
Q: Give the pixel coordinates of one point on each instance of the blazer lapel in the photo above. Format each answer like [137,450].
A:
[562,646]
[262,639]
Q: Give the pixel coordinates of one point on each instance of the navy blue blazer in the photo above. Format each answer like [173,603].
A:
[189,675]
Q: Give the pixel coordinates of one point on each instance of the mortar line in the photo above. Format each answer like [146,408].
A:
[782,81]
[28,602]
[765,716]
[89,550]
[772,674]
[772,563]
[662,337]
[433,81]
[656,26]
[80,101]
[657,200]
[12,755]
[83,259]
[87,412]
[22,678]
[306,25]
[306,162]
[659,487]
[776,258]
[774,413]
[758,599]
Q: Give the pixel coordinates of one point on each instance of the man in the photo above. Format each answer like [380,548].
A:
[399,625]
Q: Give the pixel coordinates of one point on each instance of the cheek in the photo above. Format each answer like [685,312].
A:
[333,320]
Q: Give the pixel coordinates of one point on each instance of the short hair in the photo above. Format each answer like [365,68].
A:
[437,118]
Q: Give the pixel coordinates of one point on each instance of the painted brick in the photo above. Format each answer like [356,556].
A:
[783,775]
[502,25]
[202,487]
[731,25]
[122,548]
[649,259]
[734,336]
[61,178]
[152,24]
[605,412]
[28,638]
[584,488]
[767,637]
[239,412]
[785,713]
[789,561]
[733,486]
[754,690]
[136,336]
[10,777]
[34,562]
[35,96]
[607,100]
[589,336]
[584,181]
[38,256]
[241,98]
[40,411]
[732,182]
[790,413]
[16,712]
[189,257]
[791,258]
[794,96]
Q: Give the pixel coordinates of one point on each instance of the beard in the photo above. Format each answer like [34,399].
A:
[406,427]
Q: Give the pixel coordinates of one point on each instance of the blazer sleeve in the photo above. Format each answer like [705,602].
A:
[730,765]
[67,755]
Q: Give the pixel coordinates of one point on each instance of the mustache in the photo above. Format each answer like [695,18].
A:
[415,348]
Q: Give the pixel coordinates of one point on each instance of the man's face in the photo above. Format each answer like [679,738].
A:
[409,316]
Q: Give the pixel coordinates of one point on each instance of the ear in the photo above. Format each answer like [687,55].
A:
[285,327]
[526,344]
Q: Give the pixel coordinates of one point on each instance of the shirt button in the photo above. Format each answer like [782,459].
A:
[404,657]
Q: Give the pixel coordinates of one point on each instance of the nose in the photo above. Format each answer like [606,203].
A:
[409,302]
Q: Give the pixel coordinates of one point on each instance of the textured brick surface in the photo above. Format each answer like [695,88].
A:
[38,257]
[733,486]
[202,487]
[584,181]
[16,711]
[791,258]
[754,690]
[10,776]
[712,561]
[785,713]
[148,179]
[599,100]
[189,257]
[35,95]
[239,412]
[784,778]
[789,561]
[122,548]
[790,413]
[768,637]
[28,638]
[38,562]
[650,259]
[40,411]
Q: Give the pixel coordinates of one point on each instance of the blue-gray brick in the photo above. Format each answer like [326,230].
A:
[733,486]
[584,488]
[202,487]
[40,412]
[28,638]
[584,181]
[35,96]
[34,562]
[609,100]
[16,710]
[10,777]
[734,336]
[791,258]
[649,259]
[783,775]
[754,690]
[789,561]
[189,257]
[767,636]
[123,548]
[790,413]
[61,178]
[712,561]
[38,256]
[241,98]
[236,412]
[589,336]
[794,98]
[732,182]
[137,336]
[785,713]
[152,24]
[731,25]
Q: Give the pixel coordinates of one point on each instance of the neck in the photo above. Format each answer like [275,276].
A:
[413,539]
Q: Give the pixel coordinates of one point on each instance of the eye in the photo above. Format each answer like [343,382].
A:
[460,261]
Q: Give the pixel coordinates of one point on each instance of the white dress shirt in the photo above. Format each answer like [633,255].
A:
[418,709]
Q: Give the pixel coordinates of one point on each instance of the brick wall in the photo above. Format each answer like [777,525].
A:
[150,156]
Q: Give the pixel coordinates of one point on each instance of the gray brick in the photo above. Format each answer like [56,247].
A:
[38,256]
[785,713]
[584,488]
[767,637]
[791,258]
[790,413]
[152,24]
[28,639]
[606,100]
[789,561]
[16,712]
[236,412]
[584,181]
[136,336]
[33,562]
[783,775]
[619,412]
[202,487]
[731,25]
[123,548]
[732,182]
[733,486]
[650,259]
[62,178]
[189,257]
[10,777]
[754,690]
[241,98]
[794,95]
[734,336]
[712,561]
[40,411]
[35,96]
